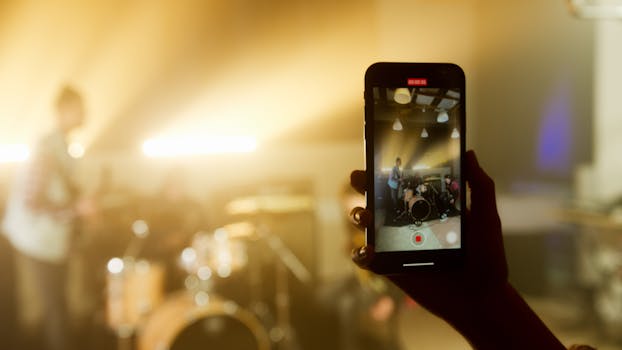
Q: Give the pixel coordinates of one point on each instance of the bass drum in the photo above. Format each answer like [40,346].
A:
[420,209]
[179,323]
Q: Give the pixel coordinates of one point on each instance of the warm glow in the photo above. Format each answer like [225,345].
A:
[76,150]
[14,153]
[115,265]
[421,167]
[173,147]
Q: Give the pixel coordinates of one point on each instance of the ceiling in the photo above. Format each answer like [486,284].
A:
[275,70]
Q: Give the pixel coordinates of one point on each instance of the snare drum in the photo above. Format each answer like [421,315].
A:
[188,322]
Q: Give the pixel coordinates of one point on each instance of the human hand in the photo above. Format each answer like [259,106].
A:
[444,292]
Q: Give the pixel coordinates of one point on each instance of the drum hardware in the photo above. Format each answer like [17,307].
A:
[260,209]
[134,287]
[223,252]
[219,253]
[283,333]
[600,258]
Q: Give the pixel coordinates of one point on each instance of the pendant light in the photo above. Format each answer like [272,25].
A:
[397,125]
[455,134]
[442,117]
[402,96]
[424,134]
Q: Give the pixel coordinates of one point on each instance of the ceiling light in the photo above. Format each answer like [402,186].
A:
[402,96]
[424,133]
[397,125]
[13,153]
[75,150]
[442,117]
[455,134]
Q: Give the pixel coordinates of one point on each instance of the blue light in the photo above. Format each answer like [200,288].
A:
[555,137]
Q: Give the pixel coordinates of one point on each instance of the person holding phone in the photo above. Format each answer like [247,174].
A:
[476,299]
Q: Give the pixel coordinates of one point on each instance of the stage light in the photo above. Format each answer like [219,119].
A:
[140,228]
[204,273]
[75,150]
[174,147]
[397,125]
[115,265]
[224,270]
[442,117]
[14,153]
[424,133]
[421,167]
[188,257]
[402,96]
[455,134]
[201,298]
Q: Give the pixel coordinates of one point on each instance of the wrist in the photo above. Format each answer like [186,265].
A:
[497,317]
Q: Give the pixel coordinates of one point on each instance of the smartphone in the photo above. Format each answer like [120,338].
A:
[414,150]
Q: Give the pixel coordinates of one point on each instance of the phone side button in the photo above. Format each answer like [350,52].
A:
[418,264]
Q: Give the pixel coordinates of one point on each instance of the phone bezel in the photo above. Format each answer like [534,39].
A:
[395,74]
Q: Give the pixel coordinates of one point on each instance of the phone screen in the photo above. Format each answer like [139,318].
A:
[417,137]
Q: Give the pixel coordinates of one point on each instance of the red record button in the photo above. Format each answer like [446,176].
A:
[417,238]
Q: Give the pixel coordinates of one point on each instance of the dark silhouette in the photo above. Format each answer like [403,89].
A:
[476,299]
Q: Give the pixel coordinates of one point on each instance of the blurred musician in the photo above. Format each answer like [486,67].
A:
[453,188]
[42,215]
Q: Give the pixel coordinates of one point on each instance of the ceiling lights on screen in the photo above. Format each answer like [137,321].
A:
[402,96]
[442,117]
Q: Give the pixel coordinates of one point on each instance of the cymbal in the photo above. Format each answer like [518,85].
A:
[269,204]
[241,229]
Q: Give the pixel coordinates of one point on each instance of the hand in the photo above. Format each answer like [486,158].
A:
[476,298]
[485,268]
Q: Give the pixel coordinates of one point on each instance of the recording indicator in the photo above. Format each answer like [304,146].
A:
[417,238]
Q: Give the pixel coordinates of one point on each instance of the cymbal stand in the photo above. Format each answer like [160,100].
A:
[125,333]
[283,334]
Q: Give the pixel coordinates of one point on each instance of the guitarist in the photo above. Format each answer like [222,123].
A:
[394,182]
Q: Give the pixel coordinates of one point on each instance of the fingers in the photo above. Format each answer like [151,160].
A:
[361,217]
[363,256]
[358,180]
[482,186]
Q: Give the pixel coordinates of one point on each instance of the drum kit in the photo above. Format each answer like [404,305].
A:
[423,202]
[197,316]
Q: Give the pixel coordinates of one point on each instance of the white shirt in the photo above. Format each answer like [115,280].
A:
[39,215]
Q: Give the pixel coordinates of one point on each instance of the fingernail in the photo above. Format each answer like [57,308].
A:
[360,253]
[355,213]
